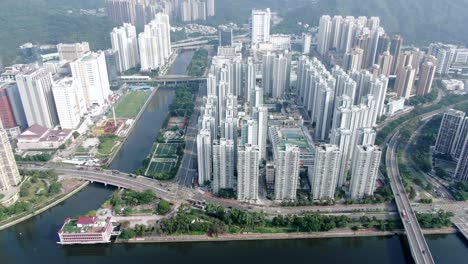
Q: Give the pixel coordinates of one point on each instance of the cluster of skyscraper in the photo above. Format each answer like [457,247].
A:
[452,140]
[150,50]
[364,45]
[234,122]
[344,109]
[48,95]
[230,140]
[141,12]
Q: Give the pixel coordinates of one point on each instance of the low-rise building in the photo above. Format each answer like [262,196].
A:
[85,230]
[39,137]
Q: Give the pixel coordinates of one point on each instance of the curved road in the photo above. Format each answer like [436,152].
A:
[417,242]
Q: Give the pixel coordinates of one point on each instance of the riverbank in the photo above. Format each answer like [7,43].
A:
[132,126]
[337,233]
[47,205]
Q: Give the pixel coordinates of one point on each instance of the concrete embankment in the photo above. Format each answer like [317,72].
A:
[279,236]
[46,207]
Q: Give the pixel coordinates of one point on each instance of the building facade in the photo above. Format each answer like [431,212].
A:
[286,172]
[364,170]
[91,71]
[223,165]
[260,30]
[69,102]
[9,174]
[323,176]
[155,43]
[124,41]
[35,88]
[248,162]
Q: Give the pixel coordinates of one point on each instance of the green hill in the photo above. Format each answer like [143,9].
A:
[54,21]
[49,21]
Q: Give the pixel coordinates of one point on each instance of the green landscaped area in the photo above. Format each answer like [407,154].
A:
[71,227]
[130,104]
[107,144]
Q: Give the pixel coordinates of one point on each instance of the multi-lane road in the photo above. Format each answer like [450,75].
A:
[417,242]
[187,170]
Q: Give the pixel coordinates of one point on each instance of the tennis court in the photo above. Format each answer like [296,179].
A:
[161,166]
[165,149]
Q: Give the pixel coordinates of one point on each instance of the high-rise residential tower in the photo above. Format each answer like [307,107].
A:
[451,123]
[70,102]
[364,170]
[323,175]
[260,30]
[286,172]
[155,43]
[248,162]
[204,154]
[223,165]
[9,174]
[91,71]
[124,41]
[426,77]
[35,87]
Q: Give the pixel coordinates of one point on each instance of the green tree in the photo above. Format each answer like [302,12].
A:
[163,207]
[55,188]
[127,234]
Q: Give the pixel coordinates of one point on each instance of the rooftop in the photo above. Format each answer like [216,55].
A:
[295,135]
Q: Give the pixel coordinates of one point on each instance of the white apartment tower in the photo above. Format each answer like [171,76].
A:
[248,162]
[323,175]
[325,29]
[204,152]
[35,88]
[9,174]
[223,165]
[155,43]
[124,42]
[70,102]
[286,172]
[91,71]
[261,115]
[364,171]
[260,26]
[306,43]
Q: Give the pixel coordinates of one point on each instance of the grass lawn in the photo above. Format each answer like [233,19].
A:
[106,144]
[130,104]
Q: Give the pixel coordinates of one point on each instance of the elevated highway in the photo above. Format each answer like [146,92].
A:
[419,248]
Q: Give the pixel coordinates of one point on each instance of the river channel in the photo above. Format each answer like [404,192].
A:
[34,240]
[138,144]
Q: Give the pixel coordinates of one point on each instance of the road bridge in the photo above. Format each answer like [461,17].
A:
[122,180]
[461,222]
[166,79]
[418,245]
